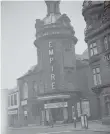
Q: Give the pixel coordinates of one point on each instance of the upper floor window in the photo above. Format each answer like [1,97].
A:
[35,88]
[93,49]
[96,76]
[25,91]
[9,101]
[12,100]
[106,42]
[15,99]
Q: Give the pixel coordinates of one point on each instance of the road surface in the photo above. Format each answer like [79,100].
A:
[55,130]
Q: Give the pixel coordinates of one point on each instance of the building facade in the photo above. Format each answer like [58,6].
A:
[4,113]
[97,37]
[13,107]
[59,85]
[35,92]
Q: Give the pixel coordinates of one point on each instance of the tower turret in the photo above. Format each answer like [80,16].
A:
[56,42]
[52,7]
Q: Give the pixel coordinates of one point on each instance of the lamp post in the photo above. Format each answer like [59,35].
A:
[99,107]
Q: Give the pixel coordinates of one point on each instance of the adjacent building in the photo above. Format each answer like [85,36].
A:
[13,107]
[97,37]
[4,113]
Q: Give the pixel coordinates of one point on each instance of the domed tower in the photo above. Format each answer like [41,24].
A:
[97,37]
[55,42]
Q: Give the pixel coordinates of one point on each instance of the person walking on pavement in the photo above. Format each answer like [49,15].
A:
[74,119]
[51,120]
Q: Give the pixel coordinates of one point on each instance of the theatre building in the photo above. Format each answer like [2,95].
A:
[58,84]
[97,37]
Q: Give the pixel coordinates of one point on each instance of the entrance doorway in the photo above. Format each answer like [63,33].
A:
[57,114]
[58,111]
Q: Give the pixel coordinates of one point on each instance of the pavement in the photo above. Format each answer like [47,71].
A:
[94,126]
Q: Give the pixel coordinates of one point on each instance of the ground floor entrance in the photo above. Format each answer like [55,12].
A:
[57,114]
[59,108]
[105,102]
[105,105]
[12,118]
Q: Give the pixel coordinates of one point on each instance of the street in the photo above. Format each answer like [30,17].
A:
[54,130]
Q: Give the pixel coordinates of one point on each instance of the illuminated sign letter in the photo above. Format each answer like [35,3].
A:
[50,44]
[51,52]
[53,85]
[51,59]
[52,68]
[52,76]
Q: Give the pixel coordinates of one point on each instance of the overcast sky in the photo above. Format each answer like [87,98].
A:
[18,35]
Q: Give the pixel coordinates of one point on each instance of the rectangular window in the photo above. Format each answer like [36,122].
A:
[93,49]
[15,99]
[8,101]
[11,100]
[96,76]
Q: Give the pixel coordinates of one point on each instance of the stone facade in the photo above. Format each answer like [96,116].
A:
[97,37]
[60,84]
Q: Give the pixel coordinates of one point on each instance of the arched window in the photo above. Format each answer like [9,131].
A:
[25,91]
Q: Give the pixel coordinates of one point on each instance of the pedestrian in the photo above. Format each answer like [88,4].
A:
[51,120]
[74,119]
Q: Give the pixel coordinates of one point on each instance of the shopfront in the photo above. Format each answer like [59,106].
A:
[13,118]
[105,102]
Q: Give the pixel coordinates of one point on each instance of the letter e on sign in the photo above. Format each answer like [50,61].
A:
[53,85]
[50,44]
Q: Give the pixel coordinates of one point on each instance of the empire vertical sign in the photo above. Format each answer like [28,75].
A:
[51,58]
